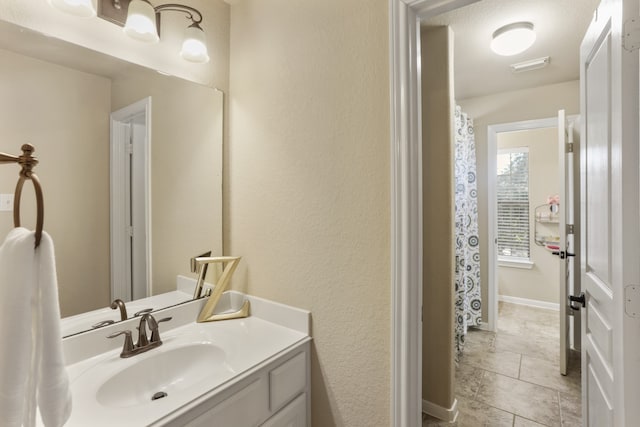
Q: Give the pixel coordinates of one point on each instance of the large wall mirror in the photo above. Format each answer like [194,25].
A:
[60,98]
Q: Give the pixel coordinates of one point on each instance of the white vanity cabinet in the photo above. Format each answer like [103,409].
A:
[274,394]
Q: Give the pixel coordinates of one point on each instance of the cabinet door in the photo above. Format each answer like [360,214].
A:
[292,415]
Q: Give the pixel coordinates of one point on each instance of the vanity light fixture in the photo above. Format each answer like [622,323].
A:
[513,38]
[141,21]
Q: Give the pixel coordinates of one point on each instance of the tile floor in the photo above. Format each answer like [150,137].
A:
[511,378]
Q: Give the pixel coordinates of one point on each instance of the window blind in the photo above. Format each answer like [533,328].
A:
[513,203]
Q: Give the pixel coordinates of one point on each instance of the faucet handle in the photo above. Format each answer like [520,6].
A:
[146,310]
[127,348]
[155,333]
[102,324]
[151,321]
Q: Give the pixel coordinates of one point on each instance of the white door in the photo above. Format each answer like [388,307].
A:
[129,202]
[563,252]
[609,210]
[569,272]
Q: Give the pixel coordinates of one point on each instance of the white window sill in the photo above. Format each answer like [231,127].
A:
[524,263]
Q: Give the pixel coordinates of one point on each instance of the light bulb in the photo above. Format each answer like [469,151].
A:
[141,22]
[194,46]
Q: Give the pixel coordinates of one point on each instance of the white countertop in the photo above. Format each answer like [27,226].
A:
[108,390]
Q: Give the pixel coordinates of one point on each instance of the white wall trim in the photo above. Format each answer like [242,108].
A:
[530,302]
[406,204]
[442,413]
[406,217]
[428,8]
[524,263]
[120,281]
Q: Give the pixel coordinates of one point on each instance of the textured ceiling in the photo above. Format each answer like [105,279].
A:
[559,24]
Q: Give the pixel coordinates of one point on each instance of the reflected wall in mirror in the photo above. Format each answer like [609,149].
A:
[59,97]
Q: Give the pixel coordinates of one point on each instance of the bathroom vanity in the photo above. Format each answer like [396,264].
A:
[242,372]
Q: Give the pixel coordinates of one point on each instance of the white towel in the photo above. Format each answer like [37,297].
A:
[32,369]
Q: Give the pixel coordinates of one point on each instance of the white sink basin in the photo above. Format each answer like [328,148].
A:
[164,373]
[195,360]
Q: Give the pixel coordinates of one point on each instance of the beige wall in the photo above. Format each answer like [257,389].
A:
[186,171]
[307,201]
[438,220]
[541,283]
[65,115]
[537,103]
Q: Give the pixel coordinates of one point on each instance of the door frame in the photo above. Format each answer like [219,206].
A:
[406,203]
[492,208]
[120,250]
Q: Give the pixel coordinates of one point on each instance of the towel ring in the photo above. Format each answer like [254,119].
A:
[27,162]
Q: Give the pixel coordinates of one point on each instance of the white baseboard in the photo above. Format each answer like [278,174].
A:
[485,327]
[530,302]
[440,412]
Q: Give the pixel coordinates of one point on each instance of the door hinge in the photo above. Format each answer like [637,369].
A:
[130,231]
[632,300]
[570,147]
[631,34]
[570,229]
[129,149]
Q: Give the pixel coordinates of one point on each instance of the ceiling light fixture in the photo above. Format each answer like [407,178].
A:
[532,64]
[141,21]
[82,8]
[513,38]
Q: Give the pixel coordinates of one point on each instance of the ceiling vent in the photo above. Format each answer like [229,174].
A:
[532,64]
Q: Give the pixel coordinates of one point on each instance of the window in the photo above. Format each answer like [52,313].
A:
[513,204]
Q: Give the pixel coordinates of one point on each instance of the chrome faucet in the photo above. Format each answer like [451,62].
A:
[144,343]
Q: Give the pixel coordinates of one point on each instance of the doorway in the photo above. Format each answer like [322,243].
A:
[406,204]
[405,19]
[537,221]
[518,356]
[130,201]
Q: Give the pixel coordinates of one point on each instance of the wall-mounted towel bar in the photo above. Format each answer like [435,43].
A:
[27,162]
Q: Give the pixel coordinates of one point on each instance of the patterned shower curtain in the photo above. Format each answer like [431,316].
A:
[468,304]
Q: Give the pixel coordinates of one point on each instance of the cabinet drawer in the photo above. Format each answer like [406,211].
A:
[247,407]
[287,381]
[292,415]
